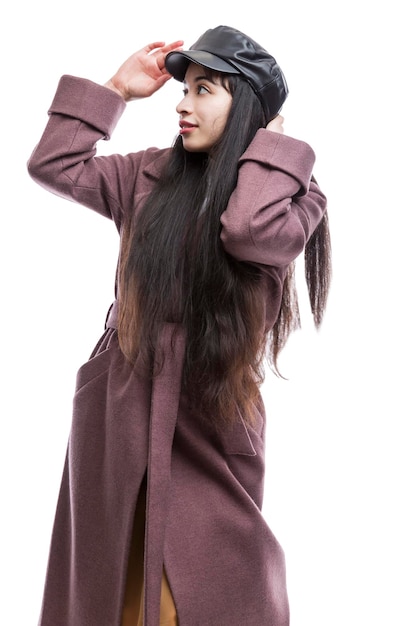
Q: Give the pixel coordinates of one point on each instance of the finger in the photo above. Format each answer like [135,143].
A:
[165,48]
[153,46]
[175,45]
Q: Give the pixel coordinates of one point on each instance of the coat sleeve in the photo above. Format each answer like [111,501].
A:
[275,206]
[65,162]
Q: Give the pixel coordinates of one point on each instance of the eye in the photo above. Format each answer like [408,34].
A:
[202,89]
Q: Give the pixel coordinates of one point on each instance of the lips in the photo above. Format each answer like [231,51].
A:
[186,127]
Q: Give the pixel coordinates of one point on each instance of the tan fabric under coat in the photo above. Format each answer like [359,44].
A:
[133,608]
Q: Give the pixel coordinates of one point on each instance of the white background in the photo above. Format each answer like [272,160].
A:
[340,492]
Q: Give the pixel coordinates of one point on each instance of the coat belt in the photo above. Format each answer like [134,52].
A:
[165,397]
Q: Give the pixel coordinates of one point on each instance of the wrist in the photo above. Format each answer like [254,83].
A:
[110,85]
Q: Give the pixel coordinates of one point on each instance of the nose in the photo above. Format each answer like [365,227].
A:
[183,106]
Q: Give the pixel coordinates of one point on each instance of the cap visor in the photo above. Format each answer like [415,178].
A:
[178,62]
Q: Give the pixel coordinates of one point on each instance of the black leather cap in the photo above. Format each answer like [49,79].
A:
[228,50]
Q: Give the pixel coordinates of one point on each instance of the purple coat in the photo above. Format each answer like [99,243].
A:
[204,489]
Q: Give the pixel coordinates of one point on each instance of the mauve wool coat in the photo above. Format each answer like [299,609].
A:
[204,489]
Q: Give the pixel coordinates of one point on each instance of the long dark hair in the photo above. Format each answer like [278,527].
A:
[174,268]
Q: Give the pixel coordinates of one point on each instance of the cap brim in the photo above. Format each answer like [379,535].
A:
[177,62]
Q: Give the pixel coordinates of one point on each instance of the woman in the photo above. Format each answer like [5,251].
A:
[159,514]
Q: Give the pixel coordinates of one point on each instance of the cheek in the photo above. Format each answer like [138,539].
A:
[219,121]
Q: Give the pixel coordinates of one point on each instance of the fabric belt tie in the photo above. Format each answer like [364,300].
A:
[165,396]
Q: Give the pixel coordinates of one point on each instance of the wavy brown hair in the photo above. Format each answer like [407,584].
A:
[174,268]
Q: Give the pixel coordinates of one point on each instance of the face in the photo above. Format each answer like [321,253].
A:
[203,111]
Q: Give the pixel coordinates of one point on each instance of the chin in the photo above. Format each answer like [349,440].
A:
[189,146]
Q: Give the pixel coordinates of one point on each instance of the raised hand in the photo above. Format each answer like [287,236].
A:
[276,124]
[143,72]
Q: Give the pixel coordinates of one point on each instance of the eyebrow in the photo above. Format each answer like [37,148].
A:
[202,77]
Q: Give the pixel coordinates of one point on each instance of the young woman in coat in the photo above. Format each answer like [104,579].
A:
[159,517]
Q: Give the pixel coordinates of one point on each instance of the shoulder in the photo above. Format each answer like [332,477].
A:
[152,161]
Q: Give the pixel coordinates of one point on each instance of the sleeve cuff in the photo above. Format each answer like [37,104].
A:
[283,153]
[85,100]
